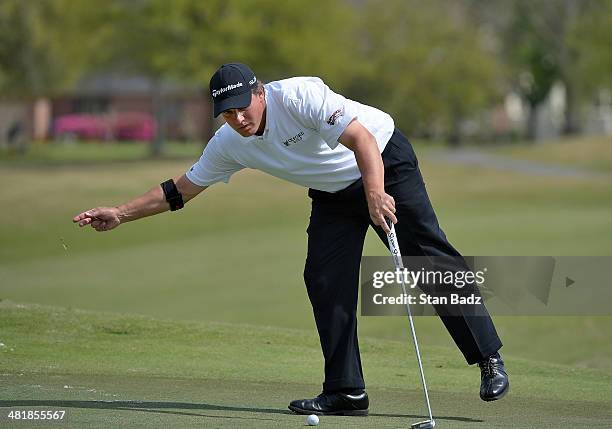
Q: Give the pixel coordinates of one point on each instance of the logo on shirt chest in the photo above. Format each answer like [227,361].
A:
[296,138]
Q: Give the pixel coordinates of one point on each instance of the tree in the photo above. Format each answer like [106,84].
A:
[426,63]
[530,54]
[591,37]
[187,40]
[45,45]
[542,47]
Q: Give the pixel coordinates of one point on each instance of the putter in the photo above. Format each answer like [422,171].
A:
[397,260]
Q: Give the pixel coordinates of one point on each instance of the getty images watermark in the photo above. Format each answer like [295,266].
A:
[428,278]
[475,285]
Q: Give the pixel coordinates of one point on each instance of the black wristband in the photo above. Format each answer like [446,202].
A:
[173,196]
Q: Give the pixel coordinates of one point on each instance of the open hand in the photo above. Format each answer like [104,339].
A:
[100,218]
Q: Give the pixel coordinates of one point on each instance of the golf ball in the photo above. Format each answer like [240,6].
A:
[312,420]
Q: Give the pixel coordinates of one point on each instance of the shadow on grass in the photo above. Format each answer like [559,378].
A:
[159,407]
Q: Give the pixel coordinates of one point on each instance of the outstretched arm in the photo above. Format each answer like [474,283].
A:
[380,204]
[148,204]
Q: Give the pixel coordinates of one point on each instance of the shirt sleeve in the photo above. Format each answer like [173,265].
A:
[215,165]
[317,107]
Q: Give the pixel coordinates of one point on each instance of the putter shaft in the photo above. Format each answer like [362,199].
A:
[397,259]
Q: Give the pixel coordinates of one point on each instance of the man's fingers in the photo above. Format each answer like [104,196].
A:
[87,218]
[100,218]
[388,213]
[391,215]
[380,221]
[79,217]
[85,222]
[85,215]
[381,217]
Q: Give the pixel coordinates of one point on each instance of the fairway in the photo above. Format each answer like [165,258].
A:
[107,370]
[200,318]
[132,295]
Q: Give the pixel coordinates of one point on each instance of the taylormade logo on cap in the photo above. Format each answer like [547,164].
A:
[227,88]
[230,87]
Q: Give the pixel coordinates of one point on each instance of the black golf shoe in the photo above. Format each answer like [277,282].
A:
[333,404]
[493,378]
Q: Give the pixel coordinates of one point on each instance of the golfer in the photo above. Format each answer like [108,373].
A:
[359,169]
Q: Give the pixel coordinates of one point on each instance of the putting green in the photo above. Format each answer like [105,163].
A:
[139,401]
[109,370]
[182,373]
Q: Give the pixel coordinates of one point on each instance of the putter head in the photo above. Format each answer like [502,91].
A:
[426,424]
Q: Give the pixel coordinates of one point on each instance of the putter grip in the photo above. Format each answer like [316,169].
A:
[396,254]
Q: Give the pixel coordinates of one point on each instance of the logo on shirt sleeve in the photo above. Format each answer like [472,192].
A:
[334,116]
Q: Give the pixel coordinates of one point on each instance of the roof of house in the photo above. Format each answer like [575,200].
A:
[114,83]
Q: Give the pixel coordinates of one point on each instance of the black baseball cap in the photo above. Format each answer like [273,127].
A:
[230,87]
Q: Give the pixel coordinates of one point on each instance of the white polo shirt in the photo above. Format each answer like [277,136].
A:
[304,119]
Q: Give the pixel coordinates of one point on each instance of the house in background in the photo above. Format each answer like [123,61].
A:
[184,110]
[110,104]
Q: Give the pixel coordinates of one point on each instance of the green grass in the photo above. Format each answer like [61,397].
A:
[117,370]
[225,276]
[56,153]
[236,253]
[592,153]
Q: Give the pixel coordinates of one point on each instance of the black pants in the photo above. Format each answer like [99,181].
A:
[336,233]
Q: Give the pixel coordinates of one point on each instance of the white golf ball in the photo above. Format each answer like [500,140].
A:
[312,420]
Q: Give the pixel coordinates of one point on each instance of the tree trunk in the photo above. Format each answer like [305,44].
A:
[567,57]
[454,135]
[570,125]
[532,123]
[157,147]
[454,140]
